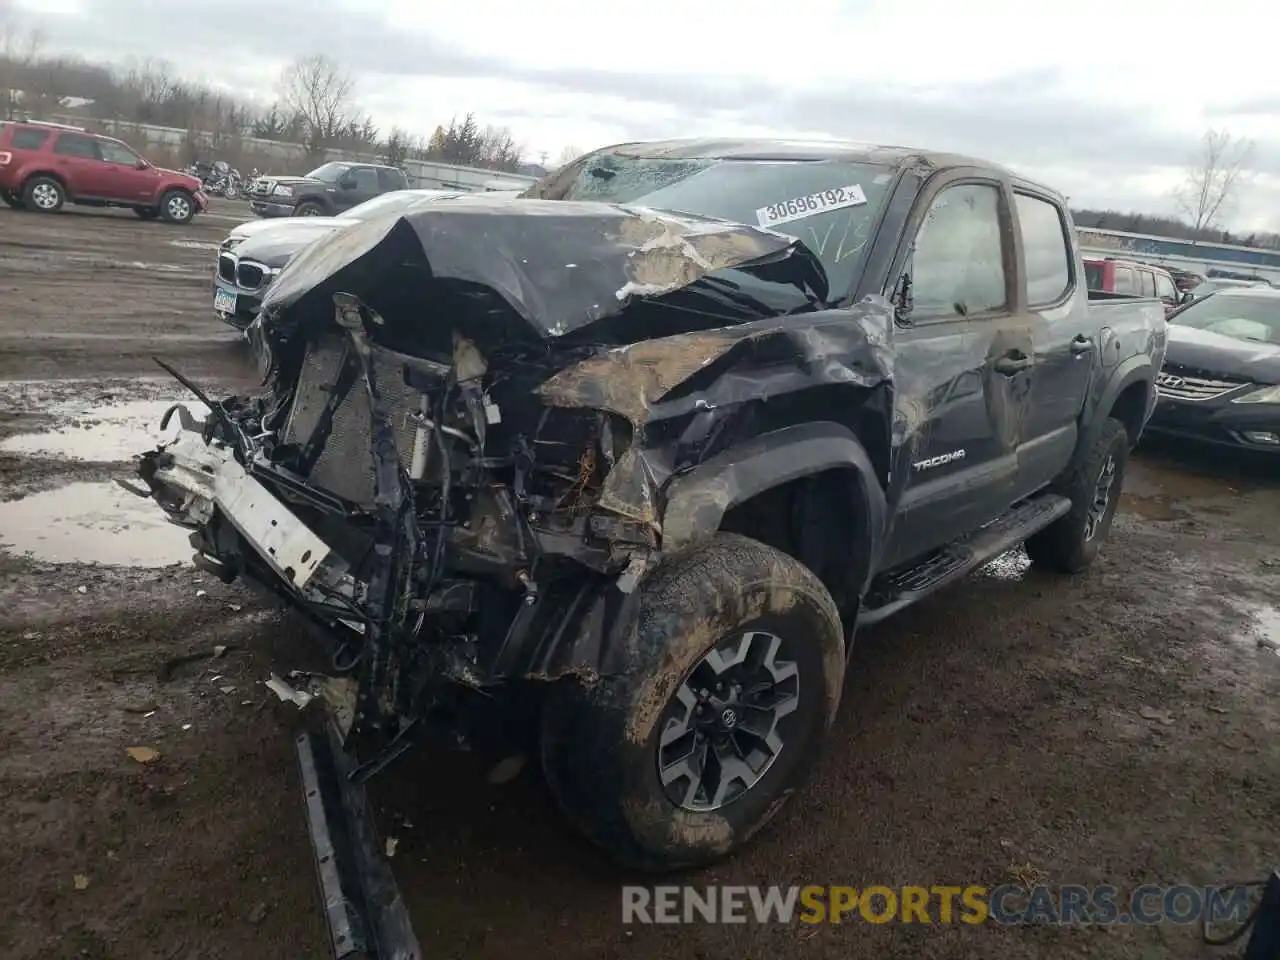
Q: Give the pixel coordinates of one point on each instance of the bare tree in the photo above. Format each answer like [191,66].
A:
[498,149]
[19,52]
[567,156]
[1209,190]
[320,91]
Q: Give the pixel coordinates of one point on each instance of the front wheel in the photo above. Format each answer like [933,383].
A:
[308,208]
[1070,543]
[734,666]
[177,206]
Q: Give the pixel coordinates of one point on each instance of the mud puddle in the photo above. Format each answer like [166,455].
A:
[1264,626]
[1150,508]
[92,523]
[194,244]
[103,434]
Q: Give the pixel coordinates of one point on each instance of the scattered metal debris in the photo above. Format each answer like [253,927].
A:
[287,693]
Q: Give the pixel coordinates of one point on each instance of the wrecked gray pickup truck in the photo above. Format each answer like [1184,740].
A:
[653,467]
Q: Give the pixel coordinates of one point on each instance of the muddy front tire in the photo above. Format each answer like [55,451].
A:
[1070,543]
[735,662]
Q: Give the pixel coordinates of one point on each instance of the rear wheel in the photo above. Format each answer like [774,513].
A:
[1070,543]
[177,206]
[735,662]
[43,194]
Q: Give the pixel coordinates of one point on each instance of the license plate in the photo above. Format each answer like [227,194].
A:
[224,301]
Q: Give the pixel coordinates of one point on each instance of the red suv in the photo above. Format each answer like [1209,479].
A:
[1133,279]
[44,165]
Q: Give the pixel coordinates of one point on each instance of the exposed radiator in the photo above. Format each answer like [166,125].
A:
[345,466]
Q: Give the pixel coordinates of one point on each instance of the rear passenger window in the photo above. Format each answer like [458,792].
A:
[1047,251]
[1125,281]
[24,138]
[957,264]
[1148,283]
[391,179]
[72,145]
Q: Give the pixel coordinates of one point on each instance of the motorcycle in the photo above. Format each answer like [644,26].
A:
[219,178]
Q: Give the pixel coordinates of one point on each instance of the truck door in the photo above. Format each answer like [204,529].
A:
[358,185]
[1065,339]
[961,387]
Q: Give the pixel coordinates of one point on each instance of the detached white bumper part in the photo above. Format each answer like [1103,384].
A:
[209,476]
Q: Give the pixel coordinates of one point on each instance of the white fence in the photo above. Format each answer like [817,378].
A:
[422,174]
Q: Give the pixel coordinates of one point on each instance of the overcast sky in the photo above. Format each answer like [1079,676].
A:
[1105,102]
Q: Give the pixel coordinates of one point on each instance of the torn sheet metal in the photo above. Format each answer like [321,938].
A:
[721,384]
[560,265]
[731,365]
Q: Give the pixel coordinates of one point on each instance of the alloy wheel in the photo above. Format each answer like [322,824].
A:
[725,725]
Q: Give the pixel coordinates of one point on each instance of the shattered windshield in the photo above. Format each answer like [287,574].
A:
[329,172]
[830,206]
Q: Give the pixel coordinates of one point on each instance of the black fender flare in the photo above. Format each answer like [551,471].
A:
[1136,369]
[696,502]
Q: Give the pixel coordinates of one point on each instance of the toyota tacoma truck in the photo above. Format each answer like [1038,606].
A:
[639,451]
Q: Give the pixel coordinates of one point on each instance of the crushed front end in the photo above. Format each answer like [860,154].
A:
[456,469]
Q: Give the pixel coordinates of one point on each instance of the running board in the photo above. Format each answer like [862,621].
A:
[366,916]
[895,589]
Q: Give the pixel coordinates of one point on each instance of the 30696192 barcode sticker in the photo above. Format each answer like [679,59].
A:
[820,202]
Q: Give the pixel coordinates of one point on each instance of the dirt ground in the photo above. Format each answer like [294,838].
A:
[1117,727]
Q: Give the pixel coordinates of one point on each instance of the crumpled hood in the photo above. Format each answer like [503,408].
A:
[1223,356]
[561,265]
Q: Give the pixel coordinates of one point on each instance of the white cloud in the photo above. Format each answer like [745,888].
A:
[1103,101]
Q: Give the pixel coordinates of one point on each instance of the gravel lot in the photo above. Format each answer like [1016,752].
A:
[1118,727]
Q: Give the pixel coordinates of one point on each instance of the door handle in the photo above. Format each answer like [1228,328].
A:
[1081,344]
[1012,363]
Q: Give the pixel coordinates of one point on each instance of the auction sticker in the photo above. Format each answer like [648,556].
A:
[815,203]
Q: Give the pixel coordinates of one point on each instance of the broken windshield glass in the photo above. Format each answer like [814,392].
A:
[830,206]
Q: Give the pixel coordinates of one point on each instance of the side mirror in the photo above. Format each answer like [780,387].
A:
[1186,298]
[141,165]
[347,183]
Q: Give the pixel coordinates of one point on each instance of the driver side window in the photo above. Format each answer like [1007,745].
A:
[366,180]
[957,262]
